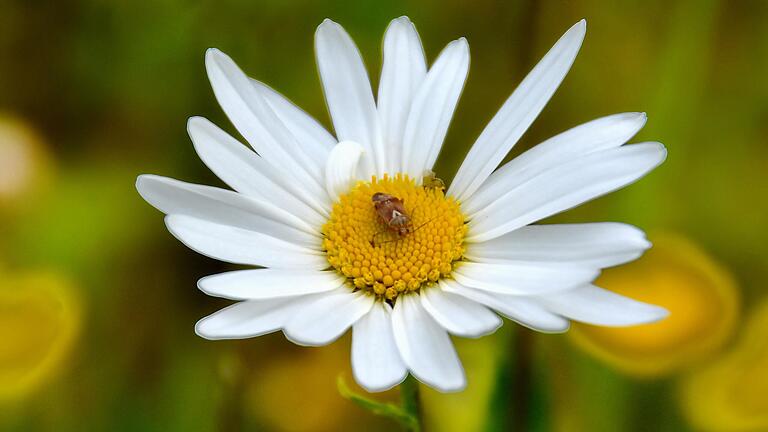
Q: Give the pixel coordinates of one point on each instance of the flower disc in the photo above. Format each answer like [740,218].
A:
[364,248]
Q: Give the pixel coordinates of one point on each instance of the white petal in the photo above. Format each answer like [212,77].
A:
[241,246]
[341,168]
[253,117]
[348,94]
[260,284]
[226,208]
[595,245]
[425,346]
[601,134]
[564,187]
[249,174]
[458,315]
[594,305]
[402,73]
[247,319]
[522,310]
[517,113]
[376,363]
[323,320]
[433,107]
[309,133]
[522,278]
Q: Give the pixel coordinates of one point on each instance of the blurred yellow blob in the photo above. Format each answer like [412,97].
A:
[732,393]
[25,165]
[297,391]
[39,321]
[700,295]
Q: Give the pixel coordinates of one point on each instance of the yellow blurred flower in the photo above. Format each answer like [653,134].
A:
[296,390]
[25,162]
[732,393]
[702,299]
[39,321]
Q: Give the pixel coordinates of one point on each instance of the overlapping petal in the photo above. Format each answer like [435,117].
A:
[402,72]
[376,362]
[517,113]
[594,305]
[459,315]
[261,284]
[563,187]
[341,167]
[601,134]
[241,246]
[226,208]
[312,137]
[425,346]
[523,310]
[248,173]
[593,245]
[433,107]
[522,278]
[253,117]
[348,94]
[324,319]
[248,319]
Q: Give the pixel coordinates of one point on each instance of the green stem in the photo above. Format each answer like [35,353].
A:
[522,379]
[409,400]
[407,413]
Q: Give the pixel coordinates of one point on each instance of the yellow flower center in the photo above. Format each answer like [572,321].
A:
[363,244]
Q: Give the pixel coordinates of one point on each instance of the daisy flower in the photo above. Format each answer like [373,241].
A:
[348,232]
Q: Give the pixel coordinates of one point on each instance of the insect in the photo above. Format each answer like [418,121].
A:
[431,181]
[391,211]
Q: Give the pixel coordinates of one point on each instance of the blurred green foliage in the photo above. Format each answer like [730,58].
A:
[109,85]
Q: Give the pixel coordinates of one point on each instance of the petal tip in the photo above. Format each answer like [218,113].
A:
[210,53]
[142,181]
[139,181]
[378,387]
[453,386]
[213,59]
[195,120]
[578,30]
[659,313]
[202,330]
[194,124]
[402,20]
[326,24]
[636,115]
[642,119]
[203,285]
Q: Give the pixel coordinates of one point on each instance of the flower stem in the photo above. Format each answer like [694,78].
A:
[409,400]
[522,379]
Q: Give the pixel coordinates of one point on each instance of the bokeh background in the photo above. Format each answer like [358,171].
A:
[98,301]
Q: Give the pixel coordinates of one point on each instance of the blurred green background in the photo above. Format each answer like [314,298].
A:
[98,301]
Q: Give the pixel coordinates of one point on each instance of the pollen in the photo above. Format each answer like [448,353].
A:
[379,260]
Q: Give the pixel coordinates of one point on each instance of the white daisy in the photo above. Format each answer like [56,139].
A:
[302,208]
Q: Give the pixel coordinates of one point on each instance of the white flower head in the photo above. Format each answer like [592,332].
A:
[348,232]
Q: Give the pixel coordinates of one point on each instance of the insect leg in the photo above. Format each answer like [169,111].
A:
[373,239]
